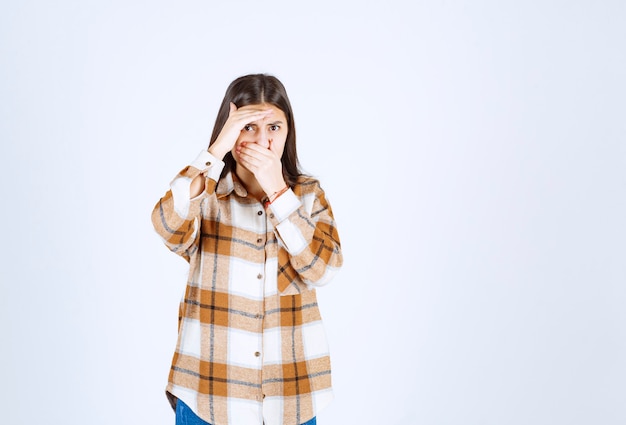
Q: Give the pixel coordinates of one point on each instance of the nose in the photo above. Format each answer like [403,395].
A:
[262,138]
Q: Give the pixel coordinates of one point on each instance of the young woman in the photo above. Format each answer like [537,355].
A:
[259,236]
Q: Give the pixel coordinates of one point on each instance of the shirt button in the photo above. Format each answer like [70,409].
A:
[208,163]
[260,213]
[258,316]
[259,240]
[271,215]
[259,276]
[257,354]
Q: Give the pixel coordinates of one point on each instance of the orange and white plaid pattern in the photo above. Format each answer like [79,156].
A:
[251,345]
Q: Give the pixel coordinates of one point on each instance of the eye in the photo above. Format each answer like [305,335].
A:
[274,127]
[248,127]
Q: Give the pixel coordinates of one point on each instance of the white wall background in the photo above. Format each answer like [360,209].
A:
[474,153]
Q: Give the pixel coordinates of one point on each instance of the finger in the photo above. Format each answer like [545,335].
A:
[257,150]
[251,157]
[255,113]
[273,149]
[252,163]
[232,108]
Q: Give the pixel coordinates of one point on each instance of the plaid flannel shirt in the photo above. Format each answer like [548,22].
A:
[251,346]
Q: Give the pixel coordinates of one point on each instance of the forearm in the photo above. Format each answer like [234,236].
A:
[178,233]
[309,236]
[197,186]
[175,216]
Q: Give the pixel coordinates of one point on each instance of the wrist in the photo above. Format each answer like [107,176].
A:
[275,195]
[274,185]
[217,151]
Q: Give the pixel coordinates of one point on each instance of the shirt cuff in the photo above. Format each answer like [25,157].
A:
[205,162]
[181,185]
[284,205]
[291,237]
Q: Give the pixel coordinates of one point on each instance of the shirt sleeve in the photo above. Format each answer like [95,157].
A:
[175,216]
[306,228]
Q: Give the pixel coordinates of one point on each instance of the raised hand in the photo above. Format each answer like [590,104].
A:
[264,163]
[238,118]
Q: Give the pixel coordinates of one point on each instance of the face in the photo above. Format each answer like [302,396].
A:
[269,131]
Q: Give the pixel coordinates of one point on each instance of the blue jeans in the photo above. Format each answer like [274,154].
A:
[185,416]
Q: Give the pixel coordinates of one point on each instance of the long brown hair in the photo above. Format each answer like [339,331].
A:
[255,89]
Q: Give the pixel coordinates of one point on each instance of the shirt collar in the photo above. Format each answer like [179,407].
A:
[228,184]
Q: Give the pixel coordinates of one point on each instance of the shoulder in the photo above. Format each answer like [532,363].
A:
[307,185]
